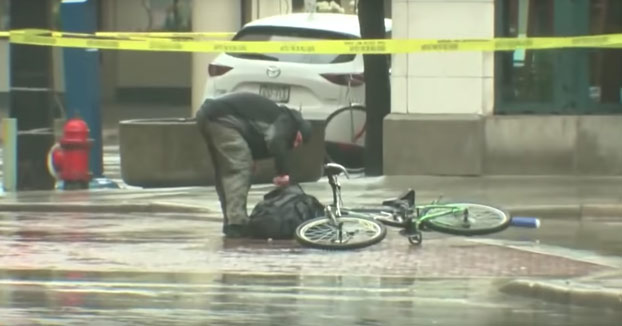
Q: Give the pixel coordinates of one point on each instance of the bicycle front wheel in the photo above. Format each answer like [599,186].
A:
[480,219]
[350,232]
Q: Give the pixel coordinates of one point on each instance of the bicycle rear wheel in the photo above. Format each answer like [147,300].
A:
[345,137]
[482,219]
[356,232]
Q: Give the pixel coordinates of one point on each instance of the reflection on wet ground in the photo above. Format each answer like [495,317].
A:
[601,235]
[213,299]
[163,269]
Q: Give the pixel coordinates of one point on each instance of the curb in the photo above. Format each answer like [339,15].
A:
[566,294]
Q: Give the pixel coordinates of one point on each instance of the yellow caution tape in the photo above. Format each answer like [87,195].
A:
[125,41]
[192,35]
[124,35]
[140,35]
[128,35]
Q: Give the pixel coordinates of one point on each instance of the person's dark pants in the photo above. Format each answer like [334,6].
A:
[233,164]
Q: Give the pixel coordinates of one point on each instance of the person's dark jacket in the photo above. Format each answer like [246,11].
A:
[269,129]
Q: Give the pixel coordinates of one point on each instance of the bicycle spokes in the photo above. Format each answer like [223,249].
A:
[469,219]
[342,232]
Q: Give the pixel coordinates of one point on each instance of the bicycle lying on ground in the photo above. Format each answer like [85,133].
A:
[344,228]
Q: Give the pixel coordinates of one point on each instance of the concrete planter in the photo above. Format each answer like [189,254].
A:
[171,153]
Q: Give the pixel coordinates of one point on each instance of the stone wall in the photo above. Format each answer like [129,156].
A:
[465,145]
[171,153]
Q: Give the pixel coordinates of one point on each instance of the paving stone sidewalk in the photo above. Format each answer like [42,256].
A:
[545,197]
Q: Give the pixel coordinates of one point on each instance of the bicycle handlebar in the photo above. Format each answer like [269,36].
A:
[334,169]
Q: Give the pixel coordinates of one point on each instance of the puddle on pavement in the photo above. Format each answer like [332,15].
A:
[163,269]
[232,299]
[601,235]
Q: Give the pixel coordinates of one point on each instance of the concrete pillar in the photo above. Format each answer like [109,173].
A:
[439,99]
[210,16]
[441,83]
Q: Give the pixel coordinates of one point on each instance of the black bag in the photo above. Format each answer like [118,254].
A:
[281,211]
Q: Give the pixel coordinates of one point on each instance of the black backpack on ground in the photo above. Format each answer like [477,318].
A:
[281,211]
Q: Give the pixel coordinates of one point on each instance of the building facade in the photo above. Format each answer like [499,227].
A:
[512,112]
[454,113]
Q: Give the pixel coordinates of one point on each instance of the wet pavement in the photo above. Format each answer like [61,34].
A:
[136,256]
[176,269]
[170,243]
[587,237]
[291,300]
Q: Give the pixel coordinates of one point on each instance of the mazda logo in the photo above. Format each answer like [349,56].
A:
[273,72]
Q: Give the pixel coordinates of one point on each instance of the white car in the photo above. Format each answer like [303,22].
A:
[318,83]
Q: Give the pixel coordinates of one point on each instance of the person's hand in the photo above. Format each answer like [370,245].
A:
[281,180]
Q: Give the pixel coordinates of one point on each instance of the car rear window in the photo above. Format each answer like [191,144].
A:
[291,34]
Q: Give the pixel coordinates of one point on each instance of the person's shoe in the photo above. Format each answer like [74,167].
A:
[235,231]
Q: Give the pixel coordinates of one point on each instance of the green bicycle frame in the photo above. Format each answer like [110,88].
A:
[445,209]
[438,210]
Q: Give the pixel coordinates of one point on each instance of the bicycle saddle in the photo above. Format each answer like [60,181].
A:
[408,198]
[332,169]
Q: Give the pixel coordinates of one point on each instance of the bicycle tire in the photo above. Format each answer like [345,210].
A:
[331,146]
[440,224]
[303,235]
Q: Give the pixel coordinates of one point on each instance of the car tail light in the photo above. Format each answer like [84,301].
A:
[345,79]
[217,70]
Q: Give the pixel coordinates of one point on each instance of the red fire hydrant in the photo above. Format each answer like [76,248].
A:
[69,161]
